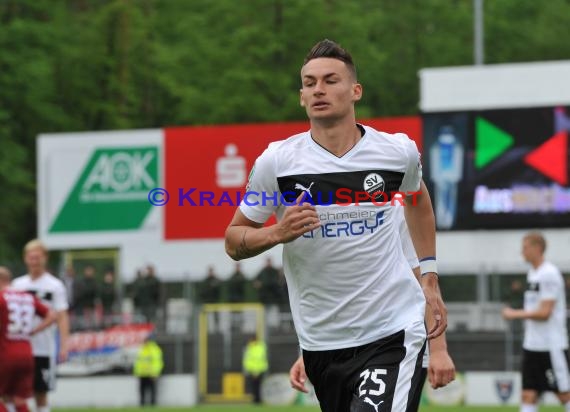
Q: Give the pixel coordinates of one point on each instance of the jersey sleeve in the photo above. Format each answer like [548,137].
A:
[262,195]
[60,298]
[413,173]
[406,239]
[41,309]
[549,286]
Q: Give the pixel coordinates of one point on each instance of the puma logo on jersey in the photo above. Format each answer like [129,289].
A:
[375,405]
[307,190]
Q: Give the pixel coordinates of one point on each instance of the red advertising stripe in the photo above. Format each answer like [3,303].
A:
[209,165]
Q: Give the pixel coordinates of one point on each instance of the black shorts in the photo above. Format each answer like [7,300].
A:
[360,379]
[44,374]
[416,395]
[546,371]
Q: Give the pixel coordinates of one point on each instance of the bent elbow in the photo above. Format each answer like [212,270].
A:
[230,250]
[232,253]
[544,317]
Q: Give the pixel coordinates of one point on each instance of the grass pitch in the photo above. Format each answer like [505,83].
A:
[250,408]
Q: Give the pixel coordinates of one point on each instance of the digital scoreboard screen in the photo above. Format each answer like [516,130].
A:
[498,169]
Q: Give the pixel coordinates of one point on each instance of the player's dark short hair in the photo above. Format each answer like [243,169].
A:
[330,49]
[537,239]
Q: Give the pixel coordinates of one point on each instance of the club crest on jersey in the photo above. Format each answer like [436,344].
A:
[374,183]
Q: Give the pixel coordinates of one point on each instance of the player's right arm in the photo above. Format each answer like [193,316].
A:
[550,285]
[48,316]
[246,238]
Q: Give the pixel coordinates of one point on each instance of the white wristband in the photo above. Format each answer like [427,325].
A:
[428,265]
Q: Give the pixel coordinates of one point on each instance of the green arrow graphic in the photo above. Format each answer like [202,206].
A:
[490,142]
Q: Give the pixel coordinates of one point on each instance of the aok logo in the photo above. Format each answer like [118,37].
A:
[120,174]
[112,191]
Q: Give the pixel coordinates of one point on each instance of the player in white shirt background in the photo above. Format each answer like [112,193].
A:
[358,312]
[545,364]
[51,292]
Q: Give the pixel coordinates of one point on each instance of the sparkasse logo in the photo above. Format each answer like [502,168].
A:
[111,192]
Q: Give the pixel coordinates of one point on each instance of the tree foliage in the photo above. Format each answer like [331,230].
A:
[74,65]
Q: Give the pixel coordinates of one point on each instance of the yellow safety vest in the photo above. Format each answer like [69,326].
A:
[255,358]
[149,362]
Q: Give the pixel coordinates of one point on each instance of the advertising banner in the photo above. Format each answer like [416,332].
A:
[498,169]
[159,196]
[108,350]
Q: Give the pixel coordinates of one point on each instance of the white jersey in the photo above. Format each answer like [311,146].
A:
[545,283]
[51,292]
[349,282]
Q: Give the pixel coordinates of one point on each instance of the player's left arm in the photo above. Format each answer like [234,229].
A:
[298,376]
[441,369]
[421,224]
[63,326]
[543,312]
[60,306]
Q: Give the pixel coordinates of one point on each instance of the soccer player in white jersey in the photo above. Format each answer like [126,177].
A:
[357,311]
[545,345]
[51,292]
[439,366]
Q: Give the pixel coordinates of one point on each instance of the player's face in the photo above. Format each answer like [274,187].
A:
[529,250]
[35,260]
[329,90]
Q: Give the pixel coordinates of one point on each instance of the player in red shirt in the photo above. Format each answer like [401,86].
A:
[17,312]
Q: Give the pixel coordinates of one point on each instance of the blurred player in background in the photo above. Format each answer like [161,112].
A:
[545,346]
[17,312]
[436,361]
[358,313]
[51,292]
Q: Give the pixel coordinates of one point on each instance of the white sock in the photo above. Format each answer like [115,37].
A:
[43,409]
[567,406]
[10,407]
[529,407]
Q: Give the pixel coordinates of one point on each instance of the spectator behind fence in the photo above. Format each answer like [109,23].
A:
[515,298]
[283,291]
[108,297]
[236,285]
[135,294]
[209,290]
[147,294]
[86,295]
[69,281]
[267,284]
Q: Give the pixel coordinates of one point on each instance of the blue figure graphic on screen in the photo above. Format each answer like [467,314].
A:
[561,120]
[446,170]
